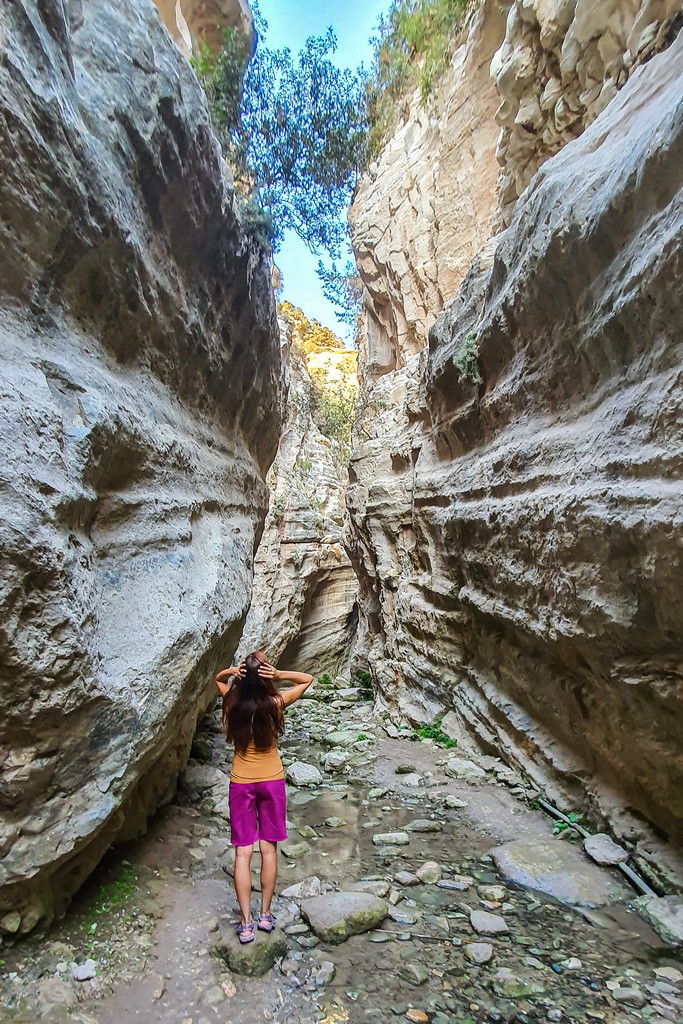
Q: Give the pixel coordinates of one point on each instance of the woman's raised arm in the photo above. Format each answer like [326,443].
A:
[300,681]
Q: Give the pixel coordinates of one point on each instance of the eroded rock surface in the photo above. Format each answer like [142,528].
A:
[196,22]
[517,542]
[136,322]
[303,611]
[427,204]
[560,65]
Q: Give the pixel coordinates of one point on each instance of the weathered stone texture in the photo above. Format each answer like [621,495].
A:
[141,404]
[303,611]
[519,543]
[427,204]
[193,22]
[561,63]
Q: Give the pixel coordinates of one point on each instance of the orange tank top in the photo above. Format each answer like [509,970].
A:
[252,765]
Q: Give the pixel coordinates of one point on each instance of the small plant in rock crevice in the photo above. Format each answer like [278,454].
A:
[466,359]
[560,826]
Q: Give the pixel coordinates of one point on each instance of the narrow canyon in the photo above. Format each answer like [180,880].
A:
[467,527]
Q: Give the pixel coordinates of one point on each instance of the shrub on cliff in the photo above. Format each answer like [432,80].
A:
[293,131]
[412,50]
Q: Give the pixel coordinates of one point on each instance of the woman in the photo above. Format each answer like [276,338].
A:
[253,718]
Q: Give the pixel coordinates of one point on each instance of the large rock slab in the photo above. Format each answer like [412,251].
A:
[335,916]
[665,914]
[253,959]
[140,404]
[558,869]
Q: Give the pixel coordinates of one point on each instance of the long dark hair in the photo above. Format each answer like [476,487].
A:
[252,708]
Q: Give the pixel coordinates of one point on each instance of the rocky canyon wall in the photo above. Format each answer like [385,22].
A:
[137,322]
[561,63]
[303,611]
[517,540]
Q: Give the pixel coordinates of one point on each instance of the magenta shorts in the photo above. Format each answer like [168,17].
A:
[258,810]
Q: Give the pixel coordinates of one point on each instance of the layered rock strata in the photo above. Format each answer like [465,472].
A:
[303,611]
[137,325]
[427,204]
[561,63]
[518,541]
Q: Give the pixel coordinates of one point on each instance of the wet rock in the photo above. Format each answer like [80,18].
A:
[559,870]
[424,825]
[414,973]
[391,839]
[335,916]
[323,973]
[255,958]
[406,878]
[84,971]
[334,822]
[429,872]
[293,850]
[603,850]
[478,952]
[488,924]
[462,768]
[302,774]
[405,769]
[665,914]
[303,890]
[376,887]
[630,997]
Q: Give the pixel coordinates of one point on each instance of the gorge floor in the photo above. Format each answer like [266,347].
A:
[143,934]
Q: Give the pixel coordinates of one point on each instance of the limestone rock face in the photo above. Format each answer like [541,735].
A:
[561,63]
[426,206]
[303,611]
[518,542]
[192,22]
[136,325]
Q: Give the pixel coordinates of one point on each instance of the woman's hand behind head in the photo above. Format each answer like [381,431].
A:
[267,671]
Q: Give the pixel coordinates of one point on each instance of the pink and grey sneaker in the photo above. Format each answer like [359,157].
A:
[266,922]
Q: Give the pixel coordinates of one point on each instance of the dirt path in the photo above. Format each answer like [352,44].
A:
[148,925]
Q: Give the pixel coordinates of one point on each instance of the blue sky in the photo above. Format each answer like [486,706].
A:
[290,23]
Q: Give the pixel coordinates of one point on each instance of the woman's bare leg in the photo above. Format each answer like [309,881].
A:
[243,880]
[268,873]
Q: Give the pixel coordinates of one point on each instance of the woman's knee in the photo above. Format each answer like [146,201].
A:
[243,853]
[267,848]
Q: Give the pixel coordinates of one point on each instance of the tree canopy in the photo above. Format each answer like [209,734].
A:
[293,130]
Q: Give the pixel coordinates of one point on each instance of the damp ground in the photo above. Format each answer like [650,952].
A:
[140,941]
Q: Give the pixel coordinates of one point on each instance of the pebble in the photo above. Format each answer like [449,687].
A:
[417,1016]
[429,872]
[404,769]
[630,996]
[324,973]
[334,822]
[457,883]
[391,839]
[414,973]
[669,974]
[214,995]
[406,878]
[84,971]
[424,825]
[478,952]
[487,924]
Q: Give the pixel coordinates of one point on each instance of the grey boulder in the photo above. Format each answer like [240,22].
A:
[336,916]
